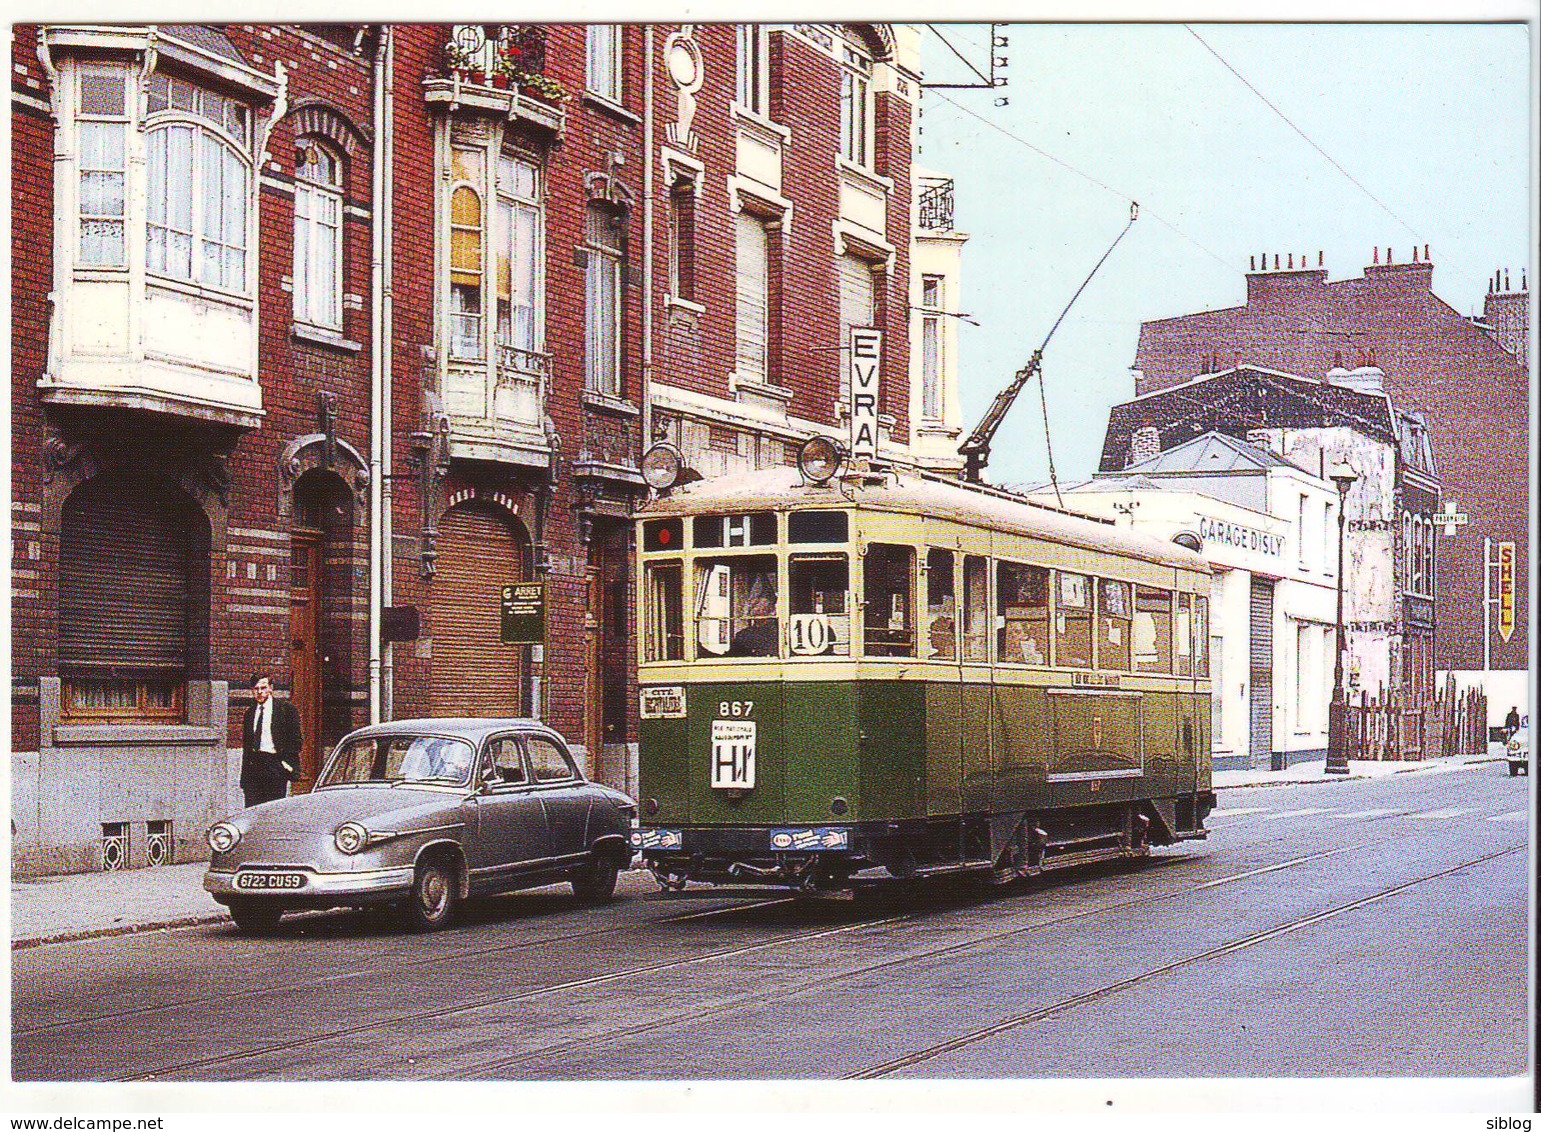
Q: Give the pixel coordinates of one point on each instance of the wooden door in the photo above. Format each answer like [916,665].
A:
[305,647]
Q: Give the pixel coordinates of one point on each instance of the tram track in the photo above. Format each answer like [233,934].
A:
[984,1033]
[373,971]
[635,971]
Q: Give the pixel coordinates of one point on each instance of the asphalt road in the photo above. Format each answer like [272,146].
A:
[1366,928]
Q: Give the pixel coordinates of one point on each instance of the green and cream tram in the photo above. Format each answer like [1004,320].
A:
[891,675]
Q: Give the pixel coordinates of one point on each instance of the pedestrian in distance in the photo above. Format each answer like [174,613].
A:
[271,739]
[1511,723]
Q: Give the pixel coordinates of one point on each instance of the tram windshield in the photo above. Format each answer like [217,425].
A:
[736,605]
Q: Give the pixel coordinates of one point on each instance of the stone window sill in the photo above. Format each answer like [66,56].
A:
[320,336]
[132,734]
[606,403]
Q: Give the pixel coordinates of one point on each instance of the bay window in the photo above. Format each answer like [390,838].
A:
[198,184]
[318,237]
[465,274]
[103,125]
[518,240]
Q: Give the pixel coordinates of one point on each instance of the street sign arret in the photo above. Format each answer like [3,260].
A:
[866,352]
[524,613]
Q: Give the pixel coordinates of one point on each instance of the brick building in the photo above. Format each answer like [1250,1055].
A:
[1468,377]
[575,238]
[1318,427]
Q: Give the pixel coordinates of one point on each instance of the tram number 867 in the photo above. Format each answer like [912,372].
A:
[733,743]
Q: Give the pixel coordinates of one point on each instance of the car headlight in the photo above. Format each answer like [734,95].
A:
[223,837]
[351,837]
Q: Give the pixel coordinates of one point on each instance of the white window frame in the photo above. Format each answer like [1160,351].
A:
[843,266]
[602,327]
[751,290]
[856,105]
[933,368]
[315,304]
[602,61]
[87,121]
[510,203]
[752,70]
[454,290]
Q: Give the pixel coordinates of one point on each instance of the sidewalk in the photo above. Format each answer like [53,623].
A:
[58,908]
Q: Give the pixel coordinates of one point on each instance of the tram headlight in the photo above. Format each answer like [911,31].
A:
[661,466]
[819,458]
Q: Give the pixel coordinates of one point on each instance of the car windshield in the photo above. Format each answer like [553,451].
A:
[401,758]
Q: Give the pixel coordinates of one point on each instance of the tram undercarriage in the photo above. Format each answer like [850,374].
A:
[999,847]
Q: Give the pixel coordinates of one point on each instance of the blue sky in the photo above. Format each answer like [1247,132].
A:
[1432,120]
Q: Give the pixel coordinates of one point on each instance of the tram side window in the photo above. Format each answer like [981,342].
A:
[1073,621]
[665,621]
[1115,614]
[820,622]
[1201,636]
[888,574]
[1152,630]
[1022,596]
[941,607]
[736,606]
[1182,635]
[976,609]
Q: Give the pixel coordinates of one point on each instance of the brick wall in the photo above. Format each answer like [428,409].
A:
[1472,390]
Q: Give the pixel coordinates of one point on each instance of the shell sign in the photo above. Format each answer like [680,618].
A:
[1506,590]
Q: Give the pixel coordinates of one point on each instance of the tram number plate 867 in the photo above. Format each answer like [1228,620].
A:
[733,754]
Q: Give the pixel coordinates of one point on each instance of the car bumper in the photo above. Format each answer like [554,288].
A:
[375,884]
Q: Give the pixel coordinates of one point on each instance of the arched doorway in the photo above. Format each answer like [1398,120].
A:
[472,671]
[321,579]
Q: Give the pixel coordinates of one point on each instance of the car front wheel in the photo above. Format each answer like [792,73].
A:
[435,894]
[255,917]
[594,883]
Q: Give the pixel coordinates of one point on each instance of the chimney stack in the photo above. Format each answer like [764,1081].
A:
[1388,255]
[1276,261]
[1506,279]
[1425,253]
[1375,254]
[1318,258]
[1292,261]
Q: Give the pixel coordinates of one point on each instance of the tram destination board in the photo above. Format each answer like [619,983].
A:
[524,613]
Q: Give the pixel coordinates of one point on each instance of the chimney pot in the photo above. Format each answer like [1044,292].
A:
[1276,261]
[1292,261]
[1318,258]
[1506,279]
[1388,255]
[1415,253]
[1375,254]
[1252,263]
[1425,253]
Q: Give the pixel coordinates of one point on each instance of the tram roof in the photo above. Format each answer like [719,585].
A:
[784,489]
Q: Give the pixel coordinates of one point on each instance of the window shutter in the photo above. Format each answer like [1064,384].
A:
[752,275]
[473,672]
[124,581]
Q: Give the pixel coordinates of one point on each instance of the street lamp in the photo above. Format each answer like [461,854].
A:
[1337,710]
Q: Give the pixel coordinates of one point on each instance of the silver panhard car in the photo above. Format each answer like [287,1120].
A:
[424,813]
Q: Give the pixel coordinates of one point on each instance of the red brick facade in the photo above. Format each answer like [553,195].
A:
[1473,391]
[297,472]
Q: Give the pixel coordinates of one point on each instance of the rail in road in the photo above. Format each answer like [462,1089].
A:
[884,945]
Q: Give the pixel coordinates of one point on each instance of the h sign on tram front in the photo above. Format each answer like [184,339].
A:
[866,353]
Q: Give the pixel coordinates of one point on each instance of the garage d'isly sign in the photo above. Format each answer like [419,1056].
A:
[1239,536]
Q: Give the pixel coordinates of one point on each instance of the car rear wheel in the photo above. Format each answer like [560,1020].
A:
[594,883]
[435,894]
[255,917]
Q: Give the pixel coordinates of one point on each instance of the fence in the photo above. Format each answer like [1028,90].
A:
[1398,727]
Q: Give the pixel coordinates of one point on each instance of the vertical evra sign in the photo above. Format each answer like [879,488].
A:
[866,352]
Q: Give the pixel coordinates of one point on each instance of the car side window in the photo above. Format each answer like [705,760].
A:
[508,762]
[549,762]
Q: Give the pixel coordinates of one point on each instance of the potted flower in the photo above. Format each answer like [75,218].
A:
[457,60]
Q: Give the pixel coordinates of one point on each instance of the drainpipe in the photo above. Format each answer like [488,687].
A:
[386,141]
[647,243]
[377,352]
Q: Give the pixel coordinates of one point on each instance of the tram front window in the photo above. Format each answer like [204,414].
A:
[820,624]
[736,606]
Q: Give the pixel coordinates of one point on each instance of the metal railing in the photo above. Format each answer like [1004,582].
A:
[936,204]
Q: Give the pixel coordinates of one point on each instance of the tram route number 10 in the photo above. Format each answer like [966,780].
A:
[733,754]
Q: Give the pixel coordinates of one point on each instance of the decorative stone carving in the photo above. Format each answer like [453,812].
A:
[321,450]
[682,62]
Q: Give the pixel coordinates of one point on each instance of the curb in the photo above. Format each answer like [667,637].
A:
[1421,765]
[119,929]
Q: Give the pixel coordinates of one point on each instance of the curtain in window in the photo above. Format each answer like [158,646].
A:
[752,294]
[465,274]
[318,241]
[604,60]
[602,300]
[197,191]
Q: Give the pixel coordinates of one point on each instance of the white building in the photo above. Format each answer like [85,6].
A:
[1269,529]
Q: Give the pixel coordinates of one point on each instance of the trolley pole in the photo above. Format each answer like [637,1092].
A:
[1337,710]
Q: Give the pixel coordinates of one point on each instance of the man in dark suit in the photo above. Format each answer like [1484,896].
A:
[270,745]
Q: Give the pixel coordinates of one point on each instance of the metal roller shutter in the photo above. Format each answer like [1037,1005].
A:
[124,580]
[473,672]
[1262,671]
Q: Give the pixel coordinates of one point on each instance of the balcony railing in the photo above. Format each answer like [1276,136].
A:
[520,392]
[936,205]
